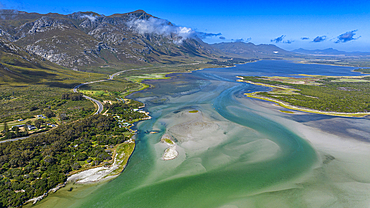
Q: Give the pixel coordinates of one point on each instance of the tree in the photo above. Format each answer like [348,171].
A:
[6,128]
[49,113]
[16,130]
[63,116]
[25,130]
[38,123]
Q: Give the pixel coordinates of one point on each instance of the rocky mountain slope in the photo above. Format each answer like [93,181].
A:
[87,40]
[19,67]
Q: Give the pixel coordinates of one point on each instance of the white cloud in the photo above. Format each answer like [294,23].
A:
[90,17]
[160,27]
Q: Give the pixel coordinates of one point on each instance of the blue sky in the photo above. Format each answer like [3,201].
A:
[340,24]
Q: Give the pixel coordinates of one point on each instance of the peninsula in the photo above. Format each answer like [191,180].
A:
[330,95]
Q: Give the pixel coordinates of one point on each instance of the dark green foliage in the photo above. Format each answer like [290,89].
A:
[125,111]
[348,97]
[72,96]
[49,113]
[6,128]
[38,123]
[34,100]
[363,70]
[41,162]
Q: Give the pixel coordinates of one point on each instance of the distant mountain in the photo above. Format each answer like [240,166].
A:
[87,40]
[330,51]
[250,50]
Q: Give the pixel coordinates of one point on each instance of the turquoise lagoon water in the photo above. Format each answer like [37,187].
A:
[231,153]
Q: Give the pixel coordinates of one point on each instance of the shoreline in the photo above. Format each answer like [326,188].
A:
[292,107]
[92,175]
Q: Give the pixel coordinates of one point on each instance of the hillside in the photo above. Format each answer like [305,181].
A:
[18,66]
[90,41]
[250,50]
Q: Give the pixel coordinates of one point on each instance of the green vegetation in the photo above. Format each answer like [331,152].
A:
[284,111]
[39,163]
[29,101]
[123,153]
[168,141]
[330,94]
[363,70]
[231,61]
[125,112]
[340,61]
[193,111]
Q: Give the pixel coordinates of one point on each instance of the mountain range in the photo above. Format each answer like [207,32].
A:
[330,51]
[91,41]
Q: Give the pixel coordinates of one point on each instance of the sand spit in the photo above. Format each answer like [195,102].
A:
[292,107]
[170,153]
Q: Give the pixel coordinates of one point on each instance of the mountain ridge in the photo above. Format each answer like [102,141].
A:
[330,51]
[83,40]
[250,50]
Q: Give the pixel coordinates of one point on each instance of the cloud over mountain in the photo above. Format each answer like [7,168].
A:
[203,35]
[160,27]
[281,40]
[348,36]
[319,39]
[278,39]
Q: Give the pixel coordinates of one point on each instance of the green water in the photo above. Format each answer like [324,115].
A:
[230,155]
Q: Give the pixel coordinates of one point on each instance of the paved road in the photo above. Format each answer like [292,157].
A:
[15,139]
[98,103]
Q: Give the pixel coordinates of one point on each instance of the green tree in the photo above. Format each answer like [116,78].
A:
[6,128]
[38,123]
[25,130]
[48,113]
[16,130]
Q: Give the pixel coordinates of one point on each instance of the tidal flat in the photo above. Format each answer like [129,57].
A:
[235,151]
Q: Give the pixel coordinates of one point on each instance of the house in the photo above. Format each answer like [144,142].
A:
[20,119]
[31,127]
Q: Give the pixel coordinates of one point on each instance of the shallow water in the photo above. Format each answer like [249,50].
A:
[235,151]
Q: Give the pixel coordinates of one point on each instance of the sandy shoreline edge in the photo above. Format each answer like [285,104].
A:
[95,174]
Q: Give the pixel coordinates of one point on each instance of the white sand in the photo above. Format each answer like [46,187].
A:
[170,153]
[97,174]
[340,179]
